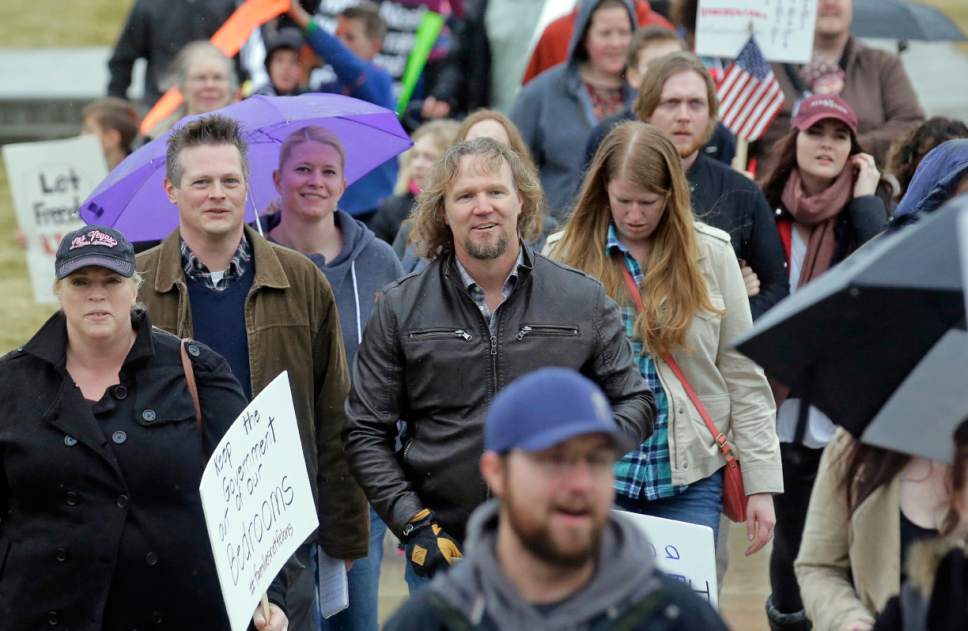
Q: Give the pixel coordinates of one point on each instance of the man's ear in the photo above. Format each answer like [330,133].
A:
[493,472]
[169,189]
[114,137]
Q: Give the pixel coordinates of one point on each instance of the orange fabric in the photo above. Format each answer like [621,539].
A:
[229,39]
[552,46]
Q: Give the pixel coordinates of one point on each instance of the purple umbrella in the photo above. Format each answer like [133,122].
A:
[131,199]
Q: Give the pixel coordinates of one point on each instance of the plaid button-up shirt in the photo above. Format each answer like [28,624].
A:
[477,294]
[647,471]
[197,271]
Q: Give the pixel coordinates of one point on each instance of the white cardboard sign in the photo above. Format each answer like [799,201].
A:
[258,504]
[48,181]
[783,28]
[685,552]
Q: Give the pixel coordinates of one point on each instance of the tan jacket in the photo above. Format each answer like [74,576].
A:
[292,324]
[732,388]
[849,565]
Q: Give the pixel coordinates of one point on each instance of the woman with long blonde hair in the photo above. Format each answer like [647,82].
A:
[633,227]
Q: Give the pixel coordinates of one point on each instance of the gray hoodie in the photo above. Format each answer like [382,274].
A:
[555,115]
[362,269]
[478,588]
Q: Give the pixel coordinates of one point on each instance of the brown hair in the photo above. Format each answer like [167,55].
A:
[213,129]
[431,235]
[650,90]
[645,37]
[311,133]
[116,114]
[514,136]
[683,14]
[907,151]
[674,289]
[369,14]
[442,134]
[785,149]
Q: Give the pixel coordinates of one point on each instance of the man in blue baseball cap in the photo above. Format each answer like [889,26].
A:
[547,552]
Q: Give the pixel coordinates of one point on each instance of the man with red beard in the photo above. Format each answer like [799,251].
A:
[677,95]
[547,552]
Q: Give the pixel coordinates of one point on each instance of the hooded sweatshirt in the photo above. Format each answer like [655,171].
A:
[555,115]
[362,269]
[626,575]
[936,178]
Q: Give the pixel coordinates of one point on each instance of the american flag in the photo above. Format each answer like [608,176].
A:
[749,95]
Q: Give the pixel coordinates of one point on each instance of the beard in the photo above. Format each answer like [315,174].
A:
[536,538]
[487,251]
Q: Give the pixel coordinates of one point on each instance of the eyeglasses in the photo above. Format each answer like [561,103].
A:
[556,464]
[198,79]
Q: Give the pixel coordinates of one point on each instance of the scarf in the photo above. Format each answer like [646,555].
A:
[819,213]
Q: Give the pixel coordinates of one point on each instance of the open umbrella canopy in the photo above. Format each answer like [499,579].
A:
[899,19]
[850,340]
[132,199]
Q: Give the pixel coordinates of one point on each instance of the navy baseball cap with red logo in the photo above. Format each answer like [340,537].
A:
[94,246]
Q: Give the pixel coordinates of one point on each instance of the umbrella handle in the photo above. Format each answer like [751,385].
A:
[255,213]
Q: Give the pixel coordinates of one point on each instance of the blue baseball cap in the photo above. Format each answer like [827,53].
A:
[548,407]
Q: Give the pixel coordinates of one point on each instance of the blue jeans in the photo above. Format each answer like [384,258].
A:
[700,504]
[415,582]
[364,587]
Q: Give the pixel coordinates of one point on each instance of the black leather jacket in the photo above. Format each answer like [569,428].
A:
[428,358]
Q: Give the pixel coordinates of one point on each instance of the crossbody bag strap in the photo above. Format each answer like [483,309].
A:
[718,436]
[190,381]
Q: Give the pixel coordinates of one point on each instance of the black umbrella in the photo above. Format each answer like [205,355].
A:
[848,341]
[897,19]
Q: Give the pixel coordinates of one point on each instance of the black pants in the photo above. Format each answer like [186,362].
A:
[800,466]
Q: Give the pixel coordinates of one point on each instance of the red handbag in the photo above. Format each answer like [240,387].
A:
[734,493]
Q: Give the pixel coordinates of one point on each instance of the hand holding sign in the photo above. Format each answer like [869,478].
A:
[258,504]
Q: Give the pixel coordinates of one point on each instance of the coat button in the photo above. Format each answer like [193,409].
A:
[149,415]
[70,498]
[151,559]
[52,618]
[120,393]
[193,350]
[119,437]
[69,441]
[61,555]
[122,501]
[156,617]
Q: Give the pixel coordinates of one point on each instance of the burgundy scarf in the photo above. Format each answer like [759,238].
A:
[819,214]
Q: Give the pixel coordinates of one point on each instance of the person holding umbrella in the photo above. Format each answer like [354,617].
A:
[824,189]
[102,527]
[266,309]
[357,265]
[683,301]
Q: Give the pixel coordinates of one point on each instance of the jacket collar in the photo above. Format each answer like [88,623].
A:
[268,270]
[50,342]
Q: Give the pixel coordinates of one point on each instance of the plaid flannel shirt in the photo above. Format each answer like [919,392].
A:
[477,294]
[197,270]
[645,472]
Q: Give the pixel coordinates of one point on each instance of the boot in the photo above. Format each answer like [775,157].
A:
[780,621]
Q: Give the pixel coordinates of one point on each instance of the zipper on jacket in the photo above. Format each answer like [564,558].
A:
[460,333]
[546,329]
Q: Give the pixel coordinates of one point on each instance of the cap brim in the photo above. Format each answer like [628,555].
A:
[120,266]
[560,433]
[813,119]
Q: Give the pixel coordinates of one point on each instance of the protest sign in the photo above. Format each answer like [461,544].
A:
[48,181]
[783,28]
[258,504]
[685,552]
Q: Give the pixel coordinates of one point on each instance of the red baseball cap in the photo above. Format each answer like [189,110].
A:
[820,106]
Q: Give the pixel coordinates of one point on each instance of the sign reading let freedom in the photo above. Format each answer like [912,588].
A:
[257,500]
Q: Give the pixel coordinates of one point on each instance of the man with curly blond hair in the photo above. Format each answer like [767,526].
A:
[442,343]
